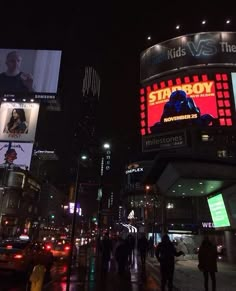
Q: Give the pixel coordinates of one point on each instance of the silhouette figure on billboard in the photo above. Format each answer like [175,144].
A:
[182,109]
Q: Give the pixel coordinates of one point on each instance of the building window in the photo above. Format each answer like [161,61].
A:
[222,154]
[206,137]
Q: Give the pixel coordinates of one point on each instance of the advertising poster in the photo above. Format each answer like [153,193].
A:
[190,50]
[233,77]
[29,71]
[218,211]
[192,103]
[18,121]
[15,154]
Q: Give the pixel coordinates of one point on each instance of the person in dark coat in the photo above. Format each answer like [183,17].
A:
[121,255]
[143,248]
[165,254]
[106,251]
[131,244]
[207,259]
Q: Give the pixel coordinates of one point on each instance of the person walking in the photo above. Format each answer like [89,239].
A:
[207,259]
[165,254]
[106,251]
[130,240]
[143,248]
[121,255]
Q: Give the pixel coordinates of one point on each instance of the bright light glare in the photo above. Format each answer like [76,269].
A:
[106,145]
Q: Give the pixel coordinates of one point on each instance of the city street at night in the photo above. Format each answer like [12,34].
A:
[118,146]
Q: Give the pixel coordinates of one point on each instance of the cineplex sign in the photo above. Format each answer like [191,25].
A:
[186,51]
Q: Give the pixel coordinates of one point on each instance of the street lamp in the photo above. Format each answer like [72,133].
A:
[104,166]
[83,157]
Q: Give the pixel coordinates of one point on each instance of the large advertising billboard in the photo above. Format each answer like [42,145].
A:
[18,121]
[202,98]
[193,50]
[14,154]
[29,73]
[218,211]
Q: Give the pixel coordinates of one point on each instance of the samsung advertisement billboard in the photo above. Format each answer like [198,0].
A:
[29,73]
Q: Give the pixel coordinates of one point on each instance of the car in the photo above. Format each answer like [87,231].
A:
[22,256]
[60,249]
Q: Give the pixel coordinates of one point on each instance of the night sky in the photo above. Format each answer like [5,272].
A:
[110,38]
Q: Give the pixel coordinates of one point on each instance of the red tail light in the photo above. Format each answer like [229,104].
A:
[18,256]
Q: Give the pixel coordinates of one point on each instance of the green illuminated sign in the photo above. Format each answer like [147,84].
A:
[218,211]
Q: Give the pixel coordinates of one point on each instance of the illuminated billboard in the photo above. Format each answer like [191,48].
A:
[218,211]
[192,50]
[18,121]
[13,154]
[199,99]
[29,73]
[72,207]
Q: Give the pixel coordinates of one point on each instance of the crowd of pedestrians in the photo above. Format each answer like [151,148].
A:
[122,251]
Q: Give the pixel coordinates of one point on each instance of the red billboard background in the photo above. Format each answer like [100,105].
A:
[210,91]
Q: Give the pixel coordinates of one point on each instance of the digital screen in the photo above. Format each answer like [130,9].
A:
[233,78]
[29,72]
[18,121]
[186,100]
[78,209]
[14,154]
[218,211]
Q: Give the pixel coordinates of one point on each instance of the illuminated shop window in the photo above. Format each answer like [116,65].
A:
[207,137]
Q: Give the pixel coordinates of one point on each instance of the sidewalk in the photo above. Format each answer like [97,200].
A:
[187,277]
[87,276]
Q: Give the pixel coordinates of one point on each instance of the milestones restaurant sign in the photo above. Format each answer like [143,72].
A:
[214,48]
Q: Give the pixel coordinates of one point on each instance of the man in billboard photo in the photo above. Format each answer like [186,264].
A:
[13,79]
[182,109]
[10,157]
[17,122]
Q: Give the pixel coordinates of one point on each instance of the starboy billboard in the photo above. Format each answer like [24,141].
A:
[204,48]
[202,98]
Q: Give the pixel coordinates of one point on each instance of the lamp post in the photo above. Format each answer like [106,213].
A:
[104,166]
[83,157]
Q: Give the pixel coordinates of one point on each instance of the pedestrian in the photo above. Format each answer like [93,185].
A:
[207,259]
[165,254]
[121,255]
[143,248]
[106,251]
[130,240]
[151,246]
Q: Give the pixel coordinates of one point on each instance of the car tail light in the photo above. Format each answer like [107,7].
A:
[18,256]
[48,247]
[67,248]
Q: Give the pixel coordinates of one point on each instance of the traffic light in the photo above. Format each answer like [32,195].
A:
[52,216]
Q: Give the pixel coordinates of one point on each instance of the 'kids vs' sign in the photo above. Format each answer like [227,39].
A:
[188,50]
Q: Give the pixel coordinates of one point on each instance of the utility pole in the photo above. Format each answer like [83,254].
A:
[72,241]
